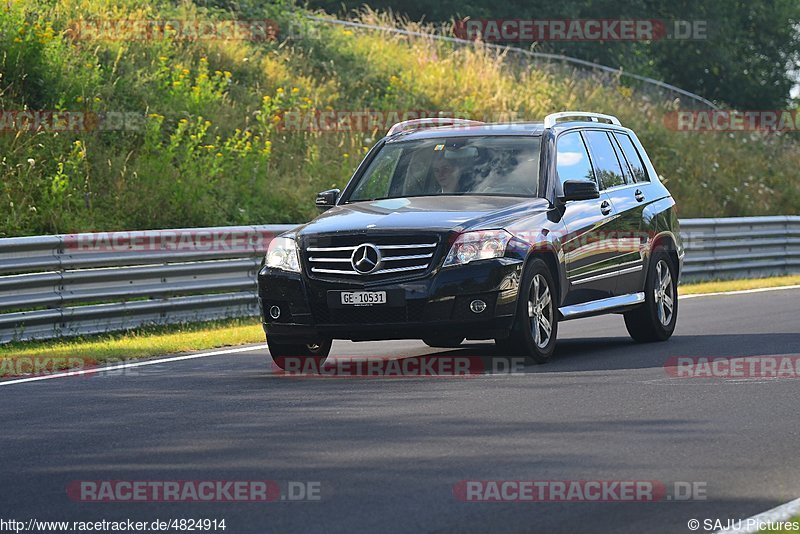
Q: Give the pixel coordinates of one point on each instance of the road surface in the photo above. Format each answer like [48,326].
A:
[386,453]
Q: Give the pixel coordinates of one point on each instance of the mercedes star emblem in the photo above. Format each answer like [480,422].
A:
[365,258]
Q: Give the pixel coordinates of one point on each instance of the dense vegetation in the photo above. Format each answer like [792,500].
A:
[745,57]
[210,149]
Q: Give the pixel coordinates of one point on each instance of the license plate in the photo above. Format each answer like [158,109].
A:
[363,298]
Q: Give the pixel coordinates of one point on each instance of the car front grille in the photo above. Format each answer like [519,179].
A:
[398,256]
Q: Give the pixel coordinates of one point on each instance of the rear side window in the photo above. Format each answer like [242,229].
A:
[604,159]
[632,155]
[572,160]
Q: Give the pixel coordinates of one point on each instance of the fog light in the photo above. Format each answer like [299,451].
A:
[477,306]
[274,312]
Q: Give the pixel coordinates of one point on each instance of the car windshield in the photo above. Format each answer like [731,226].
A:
[486,165]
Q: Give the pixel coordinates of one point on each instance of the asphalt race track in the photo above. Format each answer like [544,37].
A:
[386,453]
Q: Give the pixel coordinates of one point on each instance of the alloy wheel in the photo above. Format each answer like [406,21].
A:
[664,293]
[540,311]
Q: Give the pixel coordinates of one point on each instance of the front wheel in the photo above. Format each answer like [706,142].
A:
[536,322]
[655,319]
[299,356]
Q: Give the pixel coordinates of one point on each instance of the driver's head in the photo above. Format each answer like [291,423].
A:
[447,174]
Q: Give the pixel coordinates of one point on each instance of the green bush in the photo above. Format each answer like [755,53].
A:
[209,147]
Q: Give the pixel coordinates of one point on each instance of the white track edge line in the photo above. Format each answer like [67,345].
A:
[142,363]
[784,512]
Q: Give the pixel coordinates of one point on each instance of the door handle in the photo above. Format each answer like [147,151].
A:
[639,195]
[605,207]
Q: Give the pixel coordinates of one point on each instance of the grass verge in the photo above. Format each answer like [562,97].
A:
[794,520]
[148,342]
[738,285]
[40,357]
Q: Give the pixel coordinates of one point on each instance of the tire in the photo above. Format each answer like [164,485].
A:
[536,312]
[443,342]
[283,354]
[655,319]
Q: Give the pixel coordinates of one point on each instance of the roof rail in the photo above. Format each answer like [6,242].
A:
[415,124]
[551,119]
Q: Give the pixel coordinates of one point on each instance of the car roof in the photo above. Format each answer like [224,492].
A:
[515,128]
[491,129]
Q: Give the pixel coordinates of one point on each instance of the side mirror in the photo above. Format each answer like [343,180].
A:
[327,199]
[579,190]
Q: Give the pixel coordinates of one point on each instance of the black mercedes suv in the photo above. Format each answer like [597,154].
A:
[453,229]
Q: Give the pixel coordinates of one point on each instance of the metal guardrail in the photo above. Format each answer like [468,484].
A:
[740,247]
[67,285]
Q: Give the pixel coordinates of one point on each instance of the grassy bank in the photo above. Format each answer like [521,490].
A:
[790,524]
[147,342]
[210,147]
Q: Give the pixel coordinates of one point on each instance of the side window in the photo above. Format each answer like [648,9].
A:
[633,157]
[604,159]
[626,169]
[572,160]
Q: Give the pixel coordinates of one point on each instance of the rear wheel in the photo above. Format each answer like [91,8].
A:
[536,323]
[299,356]
[655,319]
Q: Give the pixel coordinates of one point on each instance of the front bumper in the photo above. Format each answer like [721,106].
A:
[436,305]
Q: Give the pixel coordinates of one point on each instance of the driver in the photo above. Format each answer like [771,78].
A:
[448,175]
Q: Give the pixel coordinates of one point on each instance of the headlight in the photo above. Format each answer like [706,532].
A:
[481,245]
[282,254]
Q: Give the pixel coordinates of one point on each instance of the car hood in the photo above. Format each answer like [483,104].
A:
[433,213]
